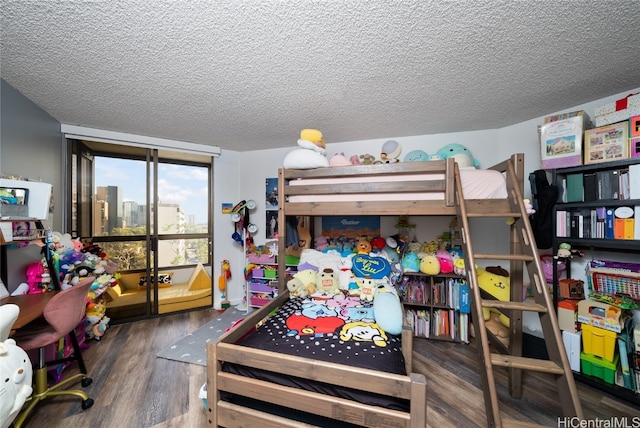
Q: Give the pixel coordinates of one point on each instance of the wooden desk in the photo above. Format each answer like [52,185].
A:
[31,306]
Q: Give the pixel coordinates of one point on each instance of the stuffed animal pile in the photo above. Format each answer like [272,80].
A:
[312,150]
[74,262]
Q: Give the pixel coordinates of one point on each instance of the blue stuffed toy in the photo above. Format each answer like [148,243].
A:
[462,155]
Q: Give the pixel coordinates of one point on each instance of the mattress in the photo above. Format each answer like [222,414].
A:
[339,330]
[476,184]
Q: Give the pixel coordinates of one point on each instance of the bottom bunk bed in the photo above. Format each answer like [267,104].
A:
[264,372]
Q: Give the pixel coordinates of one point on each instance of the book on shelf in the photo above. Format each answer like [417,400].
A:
[599,223]
[590,181]
[575,188]
[634,181]
[636,224]
[609,220]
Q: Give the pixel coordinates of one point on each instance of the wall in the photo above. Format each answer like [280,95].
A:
[31,146]
[27,129]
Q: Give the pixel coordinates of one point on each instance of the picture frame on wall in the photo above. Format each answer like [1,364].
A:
[606,143]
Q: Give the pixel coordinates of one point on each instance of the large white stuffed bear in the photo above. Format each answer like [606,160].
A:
[15,369]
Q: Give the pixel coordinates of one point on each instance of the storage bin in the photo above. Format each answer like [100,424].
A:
[256,287]
[257,272]
[598,367]
[599,342]
[261,258]
[270,273]
[256,301]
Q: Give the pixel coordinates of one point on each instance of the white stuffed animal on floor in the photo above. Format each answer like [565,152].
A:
[15,370]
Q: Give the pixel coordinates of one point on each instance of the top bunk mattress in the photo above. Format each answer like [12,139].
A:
[476,184]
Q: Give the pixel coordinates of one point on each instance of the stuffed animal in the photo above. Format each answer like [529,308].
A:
[327,281]
[321,242]
[368,288]
[363,246]
[445,260]
[458,267]
[311,153]
[411,262]
[345,274]
[303,283]
[497,286]
[367,159]
[15,369]
[460,153]
[387,309]
[416,156]
[390,152]
[339,159]
[430,265]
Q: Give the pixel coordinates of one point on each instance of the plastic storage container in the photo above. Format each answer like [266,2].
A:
[599,342]
[599,367]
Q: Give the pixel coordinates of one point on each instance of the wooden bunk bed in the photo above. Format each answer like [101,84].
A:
[414,188]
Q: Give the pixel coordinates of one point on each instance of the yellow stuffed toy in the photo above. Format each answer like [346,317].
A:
[497,286]
[303,283]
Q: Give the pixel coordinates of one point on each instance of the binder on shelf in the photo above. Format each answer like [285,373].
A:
[601,227]
[607,184]
[609,220]
[618,228]
[590,181]
[575,188]
[634,182]
[636,223]
[624,184]
[561,224]
[465,299]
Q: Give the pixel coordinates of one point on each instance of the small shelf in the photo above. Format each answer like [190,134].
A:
[435,307]
[10,234]
[602,244]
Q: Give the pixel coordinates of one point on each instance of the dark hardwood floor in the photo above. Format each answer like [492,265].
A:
[132,388]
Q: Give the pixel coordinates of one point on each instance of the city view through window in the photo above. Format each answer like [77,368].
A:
[120,210]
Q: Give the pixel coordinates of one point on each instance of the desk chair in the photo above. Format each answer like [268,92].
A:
[62,314]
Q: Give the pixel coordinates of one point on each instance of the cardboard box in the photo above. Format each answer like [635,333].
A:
[568,315]
[600,315]
[561,141]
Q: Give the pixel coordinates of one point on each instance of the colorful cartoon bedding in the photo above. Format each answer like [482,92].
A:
[340,329]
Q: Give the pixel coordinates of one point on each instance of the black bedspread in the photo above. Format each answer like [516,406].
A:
[340,329]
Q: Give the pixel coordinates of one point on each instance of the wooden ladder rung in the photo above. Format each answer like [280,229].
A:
[495,214]
[524,363]
[518,306]
[515,257]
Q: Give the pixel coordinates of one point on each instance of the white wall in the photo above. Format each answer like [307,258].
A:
[247,172]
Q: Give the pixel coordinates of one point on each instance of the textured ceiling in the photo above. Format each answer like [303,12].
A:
[248,75]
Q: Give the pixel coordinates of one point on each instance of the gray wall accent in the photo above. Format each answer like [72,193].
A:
[31,146]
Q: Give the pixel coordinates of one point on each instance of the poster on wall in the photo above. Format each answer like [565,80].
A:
[350,226]
[271,206]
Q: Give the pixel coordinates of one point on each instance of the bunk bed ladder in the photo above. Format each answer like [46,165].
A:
[523,251]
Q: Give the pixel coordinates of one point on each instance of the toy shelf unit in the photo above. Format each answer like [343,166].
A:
[262,280]
[436,306]
[599,210]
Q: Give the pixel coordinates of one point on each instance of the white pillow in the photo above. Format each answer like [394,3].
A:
[304,159]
